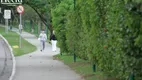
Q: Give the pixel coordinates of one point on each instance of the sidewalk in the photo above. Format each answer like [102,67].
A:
[40,65]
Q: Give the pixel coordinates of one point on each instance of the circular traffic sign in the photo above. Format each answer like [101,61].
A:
[20,9]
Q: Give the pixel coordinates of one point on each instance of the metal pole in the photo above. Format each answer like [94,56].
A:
[20,30]
[74,55]
[74,3]
[47,23]
[131,76]
[6,25]
[0,15]
[0,10]
[94,67]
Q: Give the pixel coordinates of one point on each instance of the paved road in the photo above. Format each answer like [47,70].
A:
[6,62]
[40,65]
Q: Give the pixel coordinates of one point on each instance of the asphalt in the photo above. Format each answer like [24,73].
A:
[41,65]
[6,62]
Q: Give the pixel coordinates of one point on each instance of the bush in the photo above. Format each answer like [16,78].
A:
[108,33]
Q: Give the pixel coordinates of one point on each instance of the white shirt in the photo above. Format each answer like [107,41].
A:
[43,37]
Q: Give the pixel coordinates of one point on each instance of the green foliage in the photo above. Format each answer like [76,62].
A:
[29,14]
[59,19]
[42,8]
[108,33]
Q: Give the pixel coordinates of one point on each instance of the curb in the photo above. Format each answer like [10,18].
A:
[13,58]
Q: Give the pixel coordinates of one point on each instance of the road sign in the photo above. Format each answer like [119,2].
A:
[20,9]
[7,14]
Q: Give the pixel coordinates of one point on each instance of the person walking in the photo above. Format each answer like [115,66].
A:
[53,40]
[42,38]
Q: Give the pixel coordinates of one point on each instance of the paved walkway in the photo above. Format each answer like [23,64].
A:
[6,63]
[40,65]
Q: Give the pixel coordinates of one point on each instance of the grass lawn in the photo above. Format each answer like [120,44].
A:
[13,39]
[82,67]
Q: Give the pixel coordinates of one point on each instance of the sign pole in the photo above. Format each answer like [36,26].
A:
[7,15]
[20,10]
[20,30]
[0,10]
[6,25]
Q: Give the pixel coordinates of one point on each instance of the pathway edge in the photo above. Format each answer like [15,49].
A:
[13,58]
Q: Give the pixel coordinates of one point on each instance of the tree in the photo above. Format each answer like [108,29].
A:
[43,8]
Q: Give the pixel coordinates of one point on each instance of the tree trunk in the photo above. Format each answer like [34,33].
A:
[39,27]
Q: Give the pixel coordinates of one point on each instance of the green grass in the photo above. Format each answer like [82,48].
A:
[13,39]
[82,67]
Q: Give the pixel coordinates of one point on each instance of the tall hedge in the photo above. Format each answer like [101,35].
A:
[106,32]
[58,21]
